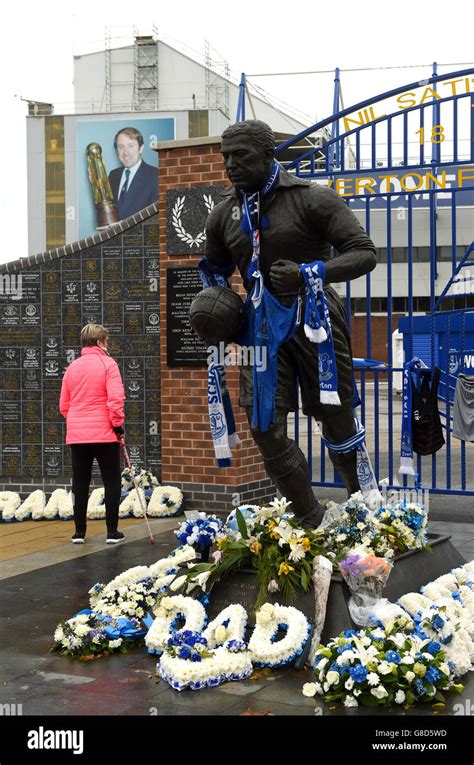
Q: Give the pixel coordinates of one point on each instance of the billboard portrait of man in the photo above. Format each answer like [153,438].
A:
[125,154]
[134,184]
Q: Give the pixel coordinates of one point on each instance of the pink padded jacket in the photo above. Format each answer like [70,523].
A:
[92,397]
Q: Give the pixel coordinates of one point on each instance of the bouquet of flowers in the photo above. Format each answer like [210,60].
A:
[356,525]
[270,541]
[376,667]
[387,530]
[144,479]
[404,526]
[200,532]
[91,633]
[130,600]
[366,575]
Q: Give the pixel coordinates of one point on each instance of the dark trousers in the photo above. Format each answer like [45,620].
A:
[108,459]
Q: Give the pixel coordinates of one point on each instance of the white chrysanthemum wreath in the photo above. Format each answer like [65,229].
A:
[169,611]
[51,511]
[230,624]
[165,502]
[9,502]
[265,650]
[32,507]
[96,505]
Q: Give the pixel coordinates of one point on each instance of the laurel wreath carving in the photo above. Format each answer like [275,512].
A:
[181,233]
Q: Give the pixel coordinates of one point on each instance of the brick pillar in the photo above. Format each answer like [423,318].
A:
[188,459]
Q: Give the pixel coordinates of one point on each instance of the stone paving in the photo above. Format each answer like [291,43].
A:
[33,600]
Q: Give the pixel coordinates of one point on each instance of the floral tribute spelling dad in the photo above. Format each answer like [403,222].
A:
[406,652]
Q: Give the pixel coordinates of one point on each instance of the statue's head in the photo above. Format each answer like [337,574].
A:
[248,151]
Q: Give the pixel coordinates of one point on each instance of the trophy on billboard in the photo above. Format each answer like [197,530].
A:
[103,197]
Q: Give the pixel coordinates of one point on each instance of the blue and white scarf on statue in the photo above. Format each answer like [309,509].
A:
[406,450]
[221,416]
[317,328]
[365,472]
[270,323]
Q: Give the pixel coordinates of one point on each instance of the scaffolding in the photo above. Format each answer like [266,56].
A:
[145,90]
[217,81]
[143,81]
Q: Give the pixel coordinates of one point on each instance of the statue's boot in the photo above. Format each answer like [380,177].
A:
[290,473]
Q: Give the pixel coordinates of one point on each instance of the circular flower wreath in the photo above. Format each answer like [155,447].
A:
[165,502]
[265,649]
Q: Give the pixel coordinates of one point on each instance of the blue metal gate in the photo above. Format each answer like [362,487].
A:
[404,162]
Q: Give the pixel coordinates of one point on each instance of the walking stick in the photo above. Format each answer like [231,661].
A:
[141,497]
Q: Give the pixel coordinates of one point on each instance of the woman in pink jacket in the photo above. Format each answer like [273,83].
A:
[92,397]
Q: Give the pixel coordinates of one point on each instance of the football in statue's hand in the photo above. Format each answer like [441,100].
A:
[217,314]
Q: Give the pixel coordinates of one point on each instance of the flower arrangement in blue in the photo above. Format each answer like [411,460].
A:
[188,645]
[199,532]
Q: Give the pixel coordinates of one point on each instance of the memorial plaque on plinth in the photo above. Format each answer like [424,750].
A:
[31,433]
[183,347]
[187,212]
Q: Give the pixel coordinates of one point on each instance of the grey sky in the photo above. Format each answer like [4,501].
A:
[39,41]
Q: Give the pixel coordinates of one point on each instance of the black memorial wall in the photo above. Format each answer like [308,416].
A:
[111,278]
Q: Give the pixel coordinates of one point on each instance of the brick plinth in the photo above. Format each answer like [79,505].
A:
[188,459]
